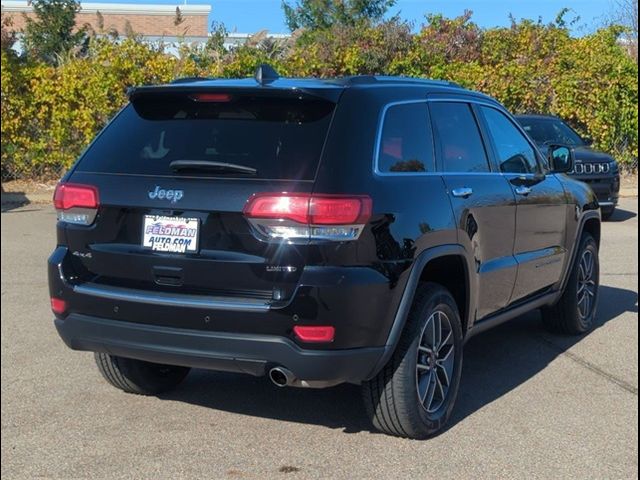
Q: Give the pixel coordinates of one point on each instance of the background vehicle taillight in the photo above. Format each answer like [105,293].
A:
[302,216]
[77,204]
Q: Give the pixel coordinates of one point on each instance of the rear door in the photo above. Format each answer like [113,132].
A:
[174,173]
[482,200]
[541,214]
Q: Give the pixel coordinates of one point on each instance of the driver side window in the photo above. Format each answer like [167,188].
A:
[515,153]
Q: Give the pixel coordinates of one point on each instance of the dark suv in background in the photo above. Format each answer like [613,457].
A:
[597,169]
[317,232]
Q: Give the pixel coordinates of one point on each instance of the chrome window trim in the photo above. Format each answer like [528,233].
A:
[380,127]
[378,142]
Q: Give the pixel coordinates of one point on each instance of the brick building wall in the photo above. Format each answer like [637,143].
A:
[147,20]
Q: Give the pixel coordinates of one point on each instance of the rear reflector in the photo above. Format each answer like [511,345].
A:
[314,334]
[305,216]
[76,203]
[58,306]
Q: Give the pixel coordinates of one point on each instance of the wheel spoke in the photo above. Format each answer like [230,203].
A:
[423,386]
[437,331]
[426,350]
[448,362]
[444,373]
[440,390]
[435,361]
[589,264]
[582,275]
[431,390]
[447,355]
[581,309]
[445,341]
[587,284]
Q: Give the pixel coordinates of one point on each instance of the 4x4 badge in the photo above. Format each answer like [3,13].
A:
[162,194]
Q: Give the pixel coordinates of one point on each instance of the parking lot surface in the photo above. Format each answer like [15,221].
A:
[532,404]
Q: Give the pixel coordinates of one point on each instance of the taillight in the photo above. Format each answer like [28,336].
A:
[77,204]
[58,306]
[314,334]
[302,216]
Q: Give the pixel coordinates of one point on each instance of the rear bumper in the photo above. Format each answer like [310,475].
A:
[242,353]
[233,334]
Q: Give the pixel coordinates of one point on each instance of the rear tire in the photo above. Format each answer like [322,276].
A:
[414,394]
[575,312]
[136,376]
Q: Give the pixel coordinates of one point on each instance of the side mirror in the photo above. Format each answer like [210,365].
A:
[561,158]
[587,141]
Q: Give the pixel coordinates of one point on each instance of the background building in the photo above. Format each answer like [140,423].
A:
[151,21]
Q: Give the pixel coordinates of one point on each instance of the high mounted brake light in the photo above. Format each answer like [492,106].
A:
[77,204]
[211,97]
[302,216]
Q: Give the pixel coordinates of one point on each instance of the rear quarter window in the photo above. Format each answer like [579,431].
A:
[281,138]
[406,140]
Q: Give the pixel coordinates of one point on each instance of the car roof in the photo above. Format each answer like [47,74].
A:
[329,88]
[302,83]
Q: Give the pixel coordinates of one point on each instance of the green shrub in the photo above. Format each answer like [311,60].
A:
[51,112]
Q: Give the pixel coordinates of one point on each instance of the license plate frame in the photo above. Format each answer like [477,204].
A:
[167,234]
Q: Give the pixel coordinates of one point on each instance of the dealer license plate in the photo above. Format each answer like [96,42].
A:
[170,234]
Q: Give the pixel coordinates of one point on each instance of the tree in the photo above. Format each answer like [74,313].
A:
[627,15]
[8,35]
[53,33]
[323,14]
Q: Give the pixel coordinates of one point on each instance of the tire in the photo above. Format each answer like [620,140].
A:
[400,399]
[136,376]
[574,313]
[607,213]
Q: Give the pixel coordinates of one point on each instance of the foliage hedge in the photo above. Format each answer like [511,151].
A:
[50,113]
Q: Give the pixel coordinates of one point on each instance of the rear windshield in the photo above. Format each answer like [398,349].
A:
[276,138]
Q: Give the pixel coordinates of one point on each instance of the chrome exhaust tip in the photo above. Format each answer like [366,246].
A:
[281,377]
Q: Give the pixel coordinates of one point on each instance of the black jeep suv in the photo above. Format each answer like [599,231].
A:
[598,169]
[317,232]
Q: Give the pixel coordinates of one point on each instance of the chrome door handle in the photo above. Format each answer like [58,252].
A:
[463,192]
[522,190]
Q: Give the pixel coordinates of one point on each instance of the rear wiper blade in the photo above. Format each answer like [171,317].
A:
[211,166]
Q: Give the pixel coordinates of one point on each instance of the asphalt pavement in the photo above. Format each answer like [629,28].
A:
[532,405]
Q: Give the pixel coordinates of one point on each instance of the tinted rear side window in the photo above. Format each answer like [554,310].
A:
[458,139]
[406,142]
[282,138]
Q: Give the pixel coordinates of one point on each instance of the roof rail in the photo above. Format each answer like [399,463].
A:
[373,79]
[190,80]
